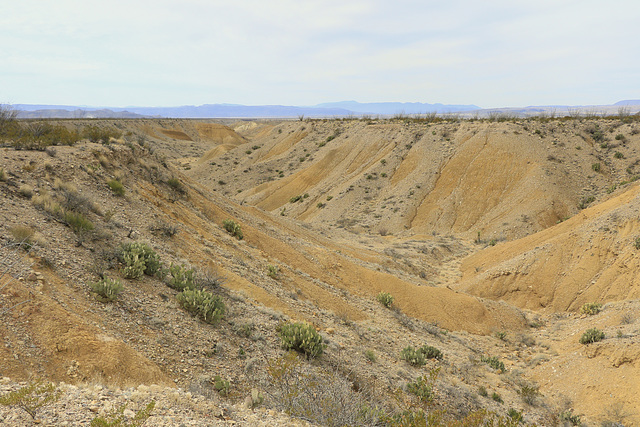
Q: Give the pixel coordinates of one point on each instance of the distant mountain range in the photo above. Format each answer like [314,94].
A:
[329,110]
[337,109]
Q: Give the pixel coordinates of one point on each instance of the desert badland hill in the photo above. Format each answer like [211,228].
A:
[493,237]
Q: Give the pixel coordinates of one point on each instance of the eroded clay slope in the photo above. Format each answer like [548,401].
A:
[502,180]
[589,257]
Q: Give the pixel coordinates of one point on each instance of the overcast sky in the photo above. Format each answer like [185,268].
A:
[304,52]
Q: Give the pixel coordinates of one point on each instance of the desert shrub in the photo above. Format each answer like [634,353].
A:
[494,362]
[529,393]
[175,184]
[117,418]
[181,277]
[501,335]
[591,335]
[419,356]
[3,175]
[591,308]
[116,186]
[165,229]
[295,199]
[301,337]
[324,397]
[97,134]
[482,391]
[26,190]
[221,385]
[586,201]
[233,228]
[370,356]
[203,304]
[496,396]
[139,259]
[31,397]
[618,155]
[424,387]
[515,415]
[207,278]
[24,235]
[596,167]
[272,271]
[107,290]
[636,243]
[385,299]
[77,222]
[569,417]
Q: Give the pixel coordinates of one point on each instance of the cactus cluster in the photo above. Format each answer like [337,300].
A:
[301,337]
[203,304]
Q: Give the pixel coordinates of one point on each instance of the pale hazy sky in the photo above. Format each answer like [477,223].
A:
[303,52]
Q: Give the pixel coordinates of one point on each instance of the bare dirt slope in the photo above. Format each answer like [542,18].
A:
[404,207]
[502,180]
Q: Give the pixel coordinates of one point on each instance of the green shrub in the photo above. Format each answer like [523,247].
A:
[273,271]
[370,356]
[495,396]
[482,391]
[31,397]
[618,155]
[233,228]
[203,304]
[96,134]
[77,222]
[385,299]
[221,385]
[117,187]
[596,167]
[175,184]
[302,338]
[181,278]
[423,387]
[494,362]
[501,335]
[295,199]
[569,417]
[419,356]
[106,289]
[139,259]
[591,308]
[515,415]
[529,393]
[636,243]
[591,335]
[117,418]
